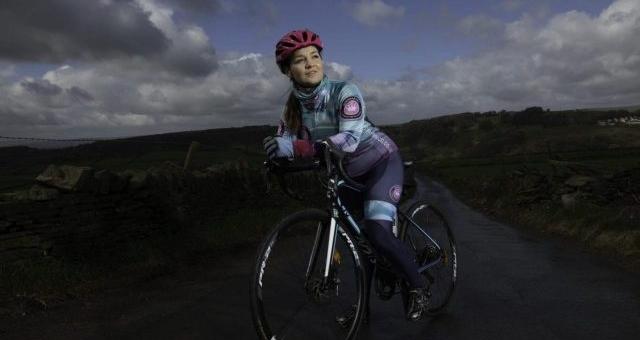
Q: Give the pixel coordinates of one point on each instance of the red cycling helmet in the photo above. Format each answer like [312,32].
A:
[294,40]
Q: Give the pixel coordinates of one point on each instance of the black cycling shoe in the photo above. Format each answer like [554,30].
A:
[345,320]
[417,303]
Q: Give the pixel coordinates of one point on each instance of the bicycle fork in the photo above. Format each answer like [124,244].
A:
[330,256]
[331,245]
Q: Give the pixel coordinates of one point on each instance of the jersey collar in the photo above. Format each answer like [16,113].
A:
[311,97]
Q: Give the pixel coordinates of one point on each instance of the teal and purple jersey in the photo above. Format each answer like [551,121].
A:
[335,110]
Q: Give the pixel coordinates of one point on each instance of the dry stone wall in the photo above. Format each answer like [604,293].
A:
[74,210]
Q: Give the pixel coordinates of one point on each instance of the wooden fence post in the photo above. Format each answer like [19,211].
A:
[192,149]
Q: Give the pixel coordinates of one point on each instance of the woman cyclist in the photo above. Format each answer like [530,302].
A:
[319,109]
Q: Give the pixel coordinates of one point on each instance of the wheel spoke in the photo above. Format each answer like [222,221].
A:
[287,305]
[428,233]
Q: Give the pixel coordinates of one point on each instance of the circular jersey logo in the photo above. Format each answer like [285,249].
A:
[395,192]
[351,108]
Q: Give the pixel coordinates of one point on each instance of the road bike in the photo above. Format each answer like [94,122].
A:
[312,278]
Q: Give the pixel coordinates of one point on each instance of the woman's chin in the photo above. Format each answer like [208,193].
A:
[310,82]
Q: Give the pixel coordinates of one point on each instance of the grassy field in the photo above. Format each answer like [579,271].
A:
[611,228]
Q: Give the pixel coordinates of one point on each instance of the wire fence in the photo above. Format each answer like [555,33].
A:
[55,143]
[56,139]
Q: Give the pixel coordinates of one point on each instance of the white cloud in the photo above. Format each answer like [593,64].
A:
[338,71]
[245,90]
[376,12]
[573,60]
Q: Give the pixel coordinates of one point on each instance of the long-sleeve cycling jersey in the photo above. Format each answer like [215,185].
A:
[335,110]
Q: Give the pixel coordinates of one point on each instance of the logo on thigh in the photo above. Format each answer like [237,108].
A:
[395,192]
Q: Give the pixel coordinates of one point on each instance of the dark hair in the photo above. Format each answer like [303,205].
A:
[292,114]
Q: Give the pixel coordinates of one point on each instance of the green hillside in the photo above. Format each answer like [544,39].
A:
[492,138]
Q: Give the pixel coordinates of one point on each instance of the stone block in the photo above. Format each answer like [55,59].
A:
[569,200]
[67,177]
[41,193]
[108,182]
[137,179]
[579,181]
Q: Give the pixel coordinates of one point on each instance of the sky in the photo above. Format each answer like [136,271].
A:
[115,68]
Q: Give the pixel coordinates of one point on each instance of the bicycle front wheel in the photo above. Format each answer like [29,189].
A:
[290,296]
[432,242]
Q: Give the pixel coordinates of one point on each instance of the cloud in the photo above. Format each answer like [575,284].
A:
[376,12]
[205,7]
[104,100]
[247,89]
[190,53]
[58,30]
[41,88]
[134,34]
[573,60]
[338,71]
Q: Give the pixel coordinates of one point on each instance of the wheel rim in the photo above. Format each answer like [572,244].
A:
[442,276]
[288,306]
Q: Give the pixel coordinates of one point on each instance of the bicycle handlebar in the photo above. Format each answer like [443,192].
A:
[331,150]
[332,157]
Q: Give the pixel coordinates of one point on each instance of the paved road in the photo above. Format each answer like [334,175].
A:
[513,284]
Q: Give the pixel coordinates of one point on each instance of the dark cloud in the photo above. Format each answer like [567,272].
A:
[11,119]
[79,94]
[192,63]
[196,6]
[41,87]
[58,30]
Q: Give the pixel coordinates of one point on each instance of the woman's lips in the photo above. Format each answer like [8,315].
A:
[311,73]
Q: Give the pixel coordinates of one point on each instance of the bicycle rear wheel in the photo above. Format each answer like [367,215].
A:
[289,298]
[437,249]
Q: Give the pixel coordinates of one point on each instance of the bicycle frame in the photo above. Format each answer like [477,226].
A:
[340,216]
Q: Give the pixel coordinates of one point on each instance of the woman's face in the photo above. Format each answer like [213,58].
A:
[306,67]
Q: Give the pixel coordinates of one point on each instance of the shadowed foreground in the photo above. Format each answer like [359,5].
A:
[512,284]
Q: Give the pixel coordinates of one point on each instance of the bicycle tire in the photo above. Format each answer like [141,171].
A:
[280,294]
[441,278]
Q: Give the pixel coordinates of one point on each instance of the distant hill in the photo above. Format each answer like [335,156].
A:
[464,135]
[633,108]
[19,165]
